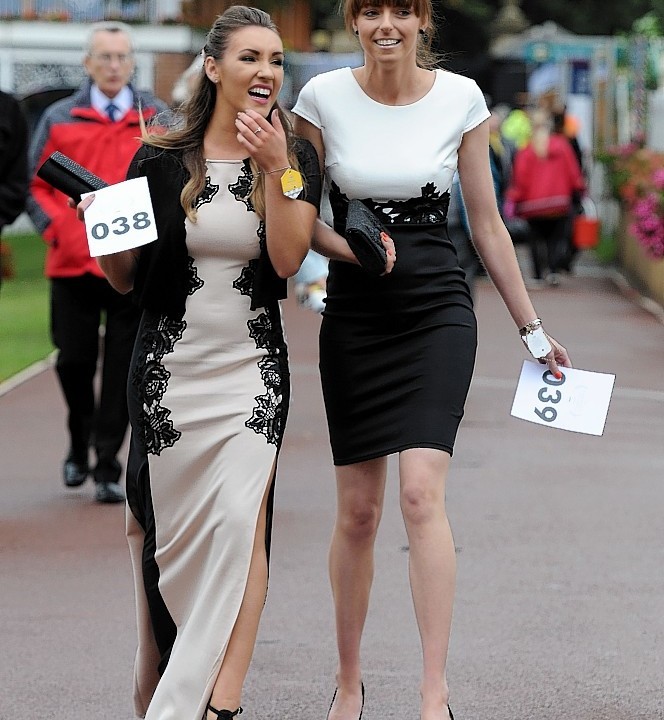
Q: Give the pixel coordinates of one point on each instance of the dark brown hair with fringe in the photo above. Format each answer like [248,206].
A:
[426,57]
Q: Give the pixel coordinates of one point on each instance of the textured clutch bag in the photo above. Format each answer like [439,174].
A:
[363,231]
[69,177]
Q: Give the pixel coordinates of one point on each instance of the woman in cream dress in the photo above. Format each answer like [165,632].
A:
[209,383]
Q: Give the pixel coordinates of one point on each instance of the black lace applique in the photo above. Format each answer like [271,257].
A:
[159,432]
[208,192]
[430,208]
[150,377]
[270,372]
[246,280]
[242,188]
[260,330]
[151,380]
[195,283]
[262,237]
[268,416]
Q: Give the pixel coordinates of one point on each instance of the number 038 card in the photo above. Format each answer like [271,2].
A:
[579,401]
[120,218]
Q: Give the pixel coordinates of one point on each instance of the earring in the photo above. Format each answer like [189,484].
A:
[424,35]
[356,31]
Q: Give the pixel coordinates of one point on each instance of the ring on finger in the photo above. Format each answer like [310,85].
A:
[258,129]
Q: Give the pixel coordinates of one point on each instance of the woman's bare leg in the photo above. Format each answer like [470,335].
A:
[432,568]
[360,493]
[227,691]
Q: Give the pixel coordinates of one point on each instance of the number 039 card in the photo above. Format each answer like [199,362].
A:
[579,401]
[120,218]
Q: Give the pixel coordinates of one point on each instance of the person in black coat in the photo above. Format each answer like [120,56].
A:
[13,161]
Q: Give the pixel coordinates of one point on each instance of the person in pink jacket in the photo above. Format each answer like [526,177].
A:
[545,178]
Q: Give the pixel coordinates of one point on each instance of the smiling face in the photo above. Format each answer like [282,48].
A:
[250,73]
[388,32]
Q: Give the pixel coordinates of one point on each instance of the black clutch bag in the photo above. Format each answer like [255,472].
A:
[363,231]
[69,177]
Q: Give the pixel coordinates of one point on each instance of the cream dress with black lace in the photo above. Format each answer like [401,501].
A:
[209,397]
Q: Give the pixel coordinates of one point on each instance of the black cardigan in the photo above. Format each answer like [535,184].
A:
[162,281]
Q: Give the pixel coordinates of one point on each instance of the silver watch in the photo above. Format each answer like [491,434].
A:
[535,339]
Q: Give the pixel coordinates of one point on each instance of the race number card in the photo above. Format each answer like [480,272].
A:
[579,401]
[120,218]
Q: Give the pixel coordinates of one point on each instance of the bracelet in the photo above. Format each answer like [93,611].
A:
[530,327]
[269,172]
[291,181]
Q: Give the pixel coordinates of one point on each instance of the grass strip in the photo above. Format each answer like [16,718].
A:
[24,307]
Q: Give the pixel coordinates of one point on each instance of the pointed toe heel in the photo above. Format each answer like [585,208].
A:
[334,696]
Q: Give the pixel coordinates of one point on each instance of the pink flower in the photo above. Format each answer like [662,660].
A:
[648,224]
[636,175]
[658,179]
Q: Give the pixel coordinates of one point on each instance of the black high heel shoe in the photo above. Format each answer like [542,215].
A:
[222,714]
[361,708]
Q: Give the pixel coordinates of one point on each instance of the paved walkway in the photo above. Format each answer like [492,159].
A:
[560,605]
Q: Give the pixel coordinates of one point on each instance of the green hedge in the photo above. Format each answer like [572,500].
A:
[24,307]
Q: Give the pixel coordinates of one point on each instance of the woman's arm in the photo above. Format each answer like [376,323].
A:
[325,240]
[490,236]
[330,244]
[120,269]
[288,222]
[288,227]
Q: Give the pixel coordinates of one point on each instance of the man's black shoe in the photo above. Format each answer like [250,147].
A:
[107,471]
[74,473]
[108,492]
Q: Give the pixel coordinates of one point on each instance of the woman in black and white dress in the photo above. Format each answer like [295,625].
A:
[397,351]
[209,382]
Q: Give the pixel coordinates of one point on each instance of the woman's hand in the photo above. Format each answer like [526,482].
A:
[265,142]
[557,356]
[391,251]
[82,206]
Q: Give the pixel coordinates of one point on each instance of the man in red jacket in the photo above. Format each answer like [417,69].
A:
[97,127]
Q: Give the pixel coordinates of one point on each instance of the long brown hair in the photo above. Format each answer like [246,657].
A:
[195,113]
[426,57]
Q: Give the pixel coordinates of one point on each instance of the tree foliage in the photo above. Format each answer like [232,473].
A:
[465,26]
[592,17]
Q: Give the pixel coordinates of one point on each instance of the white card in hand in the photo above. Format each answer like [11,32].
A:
[579,401]
[120,218]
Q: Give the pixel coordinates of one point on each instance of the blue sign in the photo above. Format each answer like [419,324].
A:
[545,51]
